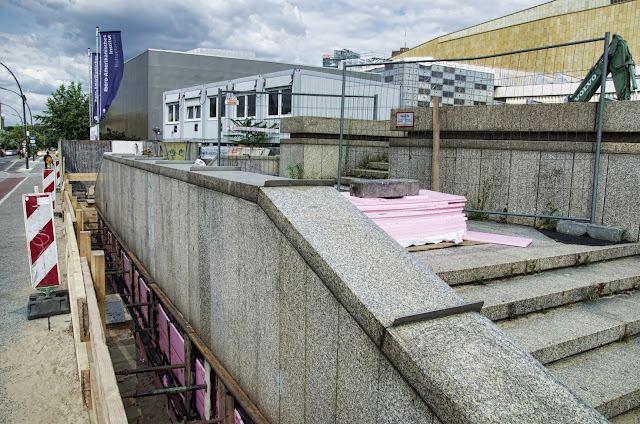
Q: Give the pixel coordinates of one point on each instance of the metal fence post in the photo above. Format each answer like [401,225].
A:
[344,84]
[603,86]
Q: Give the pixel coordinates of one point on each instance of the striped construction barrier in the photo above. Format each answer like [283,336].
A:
[49,184]
[58,176]
[41,240]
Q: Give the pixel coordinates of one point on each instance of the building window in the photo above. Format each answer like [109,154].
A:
[279,101]
[461,78]
[241,105]
[251,105]
[174,112]
[459,102]
[437,74]
[447,82]
[480,86]
[618,1]
[193,112]
[213,108]
[447,94]
[388,79]
[424,78]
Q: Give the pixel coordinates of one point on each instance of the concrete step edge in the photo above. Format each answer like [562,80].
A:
[382,166]
[607,378]
[569,286]
[524,267]
[569,330]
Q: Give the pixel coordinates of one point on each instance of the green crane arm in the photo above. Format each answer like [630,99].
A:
[621,67]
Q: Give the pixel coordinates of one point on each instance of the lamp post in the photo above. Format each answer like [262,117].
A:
[24,115]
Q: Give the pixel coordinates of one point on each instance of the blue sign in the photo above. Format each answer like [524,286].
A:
[111,68]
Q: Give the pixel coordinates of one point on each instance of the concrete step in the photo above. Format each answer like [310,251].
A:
[486,262]
[369,174]
[629,417]
[562,332]
[382,166]
[508,298]
[607,378]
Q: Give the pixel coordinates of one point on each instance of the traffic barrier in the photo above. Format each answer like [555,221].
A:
[49,184]
[41,240]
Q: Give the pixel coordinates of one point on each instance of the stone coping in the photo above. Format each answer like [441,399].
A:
[546,146]
[562,117]
[318,125]
[228,180]
[333,142]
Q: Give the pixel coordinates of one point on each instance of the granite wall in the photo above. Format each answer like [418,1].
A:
[530,159]
[296,292]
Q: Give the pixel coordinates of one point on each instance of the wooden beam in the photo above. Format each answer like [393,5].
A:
[103,378]
[97,274]
[84,244]
[81,176]
[79,221]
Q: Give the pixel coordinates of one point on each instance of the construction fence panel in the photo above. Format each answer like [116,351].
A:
[485,158]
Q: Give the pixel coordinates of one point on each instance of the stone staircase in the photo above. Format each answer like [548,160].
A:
[373,170]
[575,308]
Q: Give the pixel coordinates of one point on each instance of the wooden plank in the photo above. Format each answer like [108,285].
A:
[440,246]
[81,176]
[109,397]
[79,221]
[97,274]
[84,244]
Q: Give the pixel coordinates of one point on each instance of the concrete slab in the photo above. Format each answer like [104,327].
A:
[463,264]
[613,375]
[397,187]
[559,333]
[529,293]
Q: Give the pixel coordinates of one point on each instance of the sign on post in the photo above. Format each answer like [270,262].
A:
[41,240]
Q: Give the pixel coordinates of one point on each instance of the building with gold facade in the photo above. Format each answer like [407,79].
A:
[552,23]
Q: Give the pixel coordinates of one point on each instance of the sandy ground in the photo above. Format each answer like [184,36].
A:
[38,378]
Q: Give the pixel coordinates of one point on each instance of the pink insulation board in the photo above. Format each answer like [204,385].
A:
[498,239]
[429,217]
[163,331]
[200,394]
[144,292]
[176,342]
[126,267]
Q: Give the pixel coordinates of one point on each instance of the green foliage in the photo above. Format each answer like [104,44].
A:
[295,171]
[67,113]
[252,133]
[117,135]
[548,223]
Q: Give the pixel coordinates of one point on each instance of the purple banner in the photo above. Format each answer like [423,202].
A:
[94,86]
[111,68]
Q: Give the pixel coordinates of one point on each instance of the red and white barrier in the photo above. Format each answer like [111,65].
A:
[41,240]
[49,184]
[57,168]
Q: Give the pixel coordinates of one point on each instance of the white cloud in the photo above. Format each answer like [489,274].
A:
[54,51]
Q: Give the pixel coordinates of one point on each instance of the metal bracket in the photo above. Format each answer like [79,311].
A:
[439,313]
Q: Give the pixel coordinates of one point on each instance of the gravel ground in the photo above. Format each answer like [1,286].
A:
[38,377]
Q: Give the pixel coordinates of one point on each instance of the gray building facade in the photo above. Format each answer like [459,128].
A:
[138,107]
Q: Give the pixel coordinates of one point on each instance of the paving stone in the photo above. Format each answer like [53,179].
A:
[573,228]
[605,232]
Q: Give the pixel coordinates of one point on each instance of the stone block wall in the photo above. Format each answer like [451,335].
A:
[531,159]
[295,291]
[84,155]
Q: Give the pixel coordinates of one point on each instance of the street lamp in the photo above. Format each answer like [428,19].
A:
[24,115]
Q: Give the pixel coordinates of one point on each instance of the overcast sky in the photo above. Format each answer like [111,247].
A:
[45,42]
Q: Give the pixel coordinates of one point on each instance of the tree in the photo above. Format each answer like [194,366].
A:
[67,113]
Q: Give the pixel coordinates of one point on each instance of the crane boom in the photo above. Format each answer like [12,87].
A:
[621,67]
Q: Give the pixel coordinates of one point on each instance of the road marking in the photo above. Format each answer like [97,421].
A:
[14,189]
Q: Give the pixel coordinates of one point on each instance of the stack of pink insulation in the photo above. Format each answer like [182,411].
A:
[429,217]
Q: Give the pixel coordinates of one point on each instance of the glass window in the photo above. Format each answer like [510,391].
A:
[286,101]
[461,78]
[173,112]
[198,112]
[241,104]
[388,78]
[273,103]
[190,112]
[212,107]
[437,74]
[251,105]
[424,78]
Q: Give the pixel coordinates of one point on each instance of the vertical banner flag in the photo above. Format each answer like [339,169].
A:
[95,85]
[111,68]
